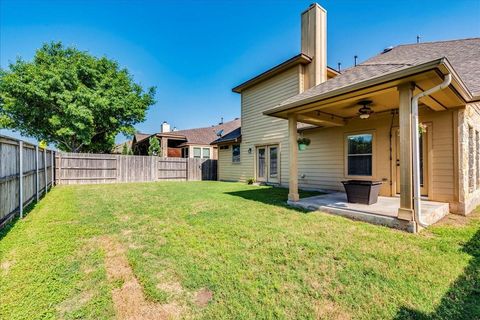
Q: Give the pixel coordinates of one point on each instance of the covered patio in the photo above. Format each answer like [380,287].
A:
[389,89]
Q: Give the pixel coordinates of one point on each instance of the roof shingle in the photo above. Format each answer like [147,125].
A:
[463,54]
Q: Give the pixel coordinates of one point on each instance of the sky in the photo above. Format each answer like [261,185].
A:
[195,52]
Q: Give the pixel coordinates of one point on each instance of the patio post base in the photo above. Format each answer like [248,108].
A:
[293,197]
[405,214]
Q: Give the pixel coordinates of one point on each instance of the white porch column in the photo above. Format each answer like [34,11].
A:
[405,212]
[293,158]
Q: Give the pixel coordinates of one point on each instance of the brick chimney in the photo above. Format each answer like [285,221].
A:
[314,44]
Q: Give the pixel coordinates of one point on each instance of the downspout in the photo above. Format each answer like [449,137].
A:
[416,147]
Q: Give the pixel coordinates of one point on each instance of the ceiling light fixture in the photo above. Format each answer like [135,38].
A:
[365,111]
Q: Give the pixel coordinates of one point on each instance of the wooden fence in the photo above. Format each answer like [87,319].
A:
[25,175]
[83,168]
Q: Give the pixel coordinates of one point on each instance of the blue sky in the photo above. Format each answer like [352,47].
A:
[194,52]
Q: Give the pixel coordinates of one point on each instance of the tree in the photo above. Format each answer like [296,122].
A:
[154,146]
[125,149]
[71,99]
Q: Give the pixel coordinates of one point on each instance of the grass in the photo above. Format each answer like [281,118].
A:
[259,258]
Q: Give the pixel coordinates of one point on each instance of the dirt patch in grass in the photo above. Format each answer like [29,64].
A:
[74,303]
[203,297]
[455,220]
[458,220]
[173,288]
[129,299]
[327,309]
[5,266]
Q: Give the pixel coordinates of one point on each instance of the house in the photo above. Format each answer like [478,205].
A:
[118,149]
[361,124]
[190,143]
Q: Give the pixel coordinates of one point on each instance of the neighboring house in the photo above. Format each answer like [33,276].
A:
[190,143]
[118,149]
[359,122]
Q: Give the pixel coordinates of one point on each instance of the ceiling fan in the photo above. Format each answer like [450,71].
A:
[366,110]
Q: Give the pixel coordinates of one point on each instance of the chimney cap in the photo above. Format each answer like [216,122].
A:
[313,5]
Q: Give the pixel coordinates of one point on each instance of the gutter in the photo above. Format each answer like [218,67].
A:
[417,205]
[396,75]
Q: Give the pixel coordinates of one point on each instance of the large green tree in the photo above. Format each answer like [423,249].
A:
[71,99]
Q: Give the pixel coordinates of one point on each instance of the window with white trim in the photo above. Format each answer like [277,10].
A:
[359,154]
[197,152]
[206,153]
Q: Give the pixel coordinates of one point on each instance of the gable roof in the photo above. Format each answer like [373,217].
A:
[298,59]
[140,136]
[463,55]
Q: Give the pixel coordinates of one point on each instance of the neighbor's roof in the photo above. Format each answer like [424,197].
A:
[463,55]
[140,136]
[232,136]
[207,135]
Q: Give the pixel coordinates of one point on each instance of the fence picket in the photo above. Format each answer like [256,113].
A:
[78,168]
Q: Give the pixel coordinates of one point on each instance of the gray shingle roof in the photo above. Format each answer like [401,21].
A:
[464,56]
[207,135]
[231,136]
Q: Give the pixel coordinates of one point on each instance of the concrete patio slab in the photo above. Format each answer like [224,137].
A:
[384,212]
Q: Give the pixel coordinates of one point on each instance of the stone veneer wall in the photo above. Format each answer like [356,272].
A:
[468,158]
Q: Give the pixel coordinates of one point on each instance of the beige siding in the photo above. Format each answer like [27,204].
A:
[322,165]
[260,129]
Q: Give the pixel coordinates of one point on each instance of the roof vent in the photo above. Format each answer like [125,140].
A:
[387,49]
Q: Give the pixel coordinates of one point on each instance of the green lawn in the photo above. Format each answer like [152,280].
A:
[239,244]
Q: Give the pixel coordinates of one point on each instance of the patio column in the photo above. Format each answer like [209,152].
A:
[405,91]
[164,146]
[293,158]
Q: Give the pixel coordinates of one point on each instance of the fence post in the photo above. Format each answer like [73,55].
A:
[37,178]
[59,166]
[20,177]
[52,159]
[45,169]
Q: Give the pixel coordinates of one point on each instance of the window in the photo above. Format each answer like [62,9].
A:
[197,152]
[273,162]
[223,147]
[206,153]
[359,154]
[261,163]
[185,152]
[236,153]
